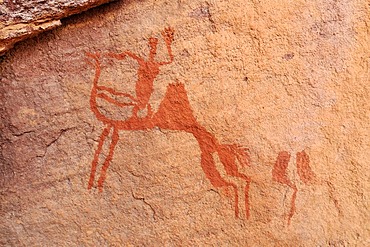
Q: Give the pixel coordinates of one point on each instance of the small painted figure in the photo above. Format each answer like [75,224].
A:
[148,70]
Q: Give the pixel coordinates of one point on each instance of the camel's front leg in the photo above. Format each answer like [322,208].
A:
[94,164]
[115,138]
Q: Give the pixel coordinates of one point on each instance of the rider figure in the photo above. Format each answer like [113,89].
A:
[148,71]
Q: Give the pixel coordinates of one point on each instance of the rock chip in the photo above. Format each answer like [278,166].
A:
[23,19]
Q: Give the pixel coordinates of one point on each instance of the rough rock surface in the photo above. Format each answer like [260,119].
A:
[190,123]
[22,19]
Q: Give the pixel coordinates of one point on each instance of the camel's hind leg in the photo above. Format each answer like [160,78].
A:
[228,155]
[115,138]
[209,168]
[94,164]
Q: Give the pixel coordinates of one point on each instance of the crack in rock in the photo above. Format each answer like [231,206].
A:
[155,215]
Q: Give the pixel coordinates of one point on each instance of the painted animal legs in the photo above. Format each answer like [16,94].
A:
[228,155]
[115,138]
[209,168]
[279,174]
[102,138]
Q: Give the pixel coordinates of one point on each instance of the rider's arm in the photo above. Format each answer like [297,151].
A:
[167,35]
[122,55]
[170,55]
[132,55]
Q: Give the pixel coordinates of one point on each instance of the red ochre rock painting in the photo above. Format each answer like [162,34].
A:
[175,113]
[279,174]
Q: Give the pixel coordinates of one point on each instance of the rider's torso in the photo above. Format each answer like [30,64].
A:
[148,70]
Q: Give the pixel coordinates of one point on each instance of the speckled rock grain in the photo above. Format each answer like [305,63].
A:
[287,82]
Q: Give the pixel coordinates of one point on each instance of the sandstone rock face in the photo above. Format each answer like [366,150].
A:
[22,19]
[190,123]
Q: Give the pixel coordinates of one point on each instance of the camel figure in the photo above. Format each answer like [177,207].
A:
[174,113]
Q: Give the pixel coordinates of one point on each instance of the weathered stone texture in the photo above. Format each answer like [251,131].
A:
[22,19]
[272,91]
